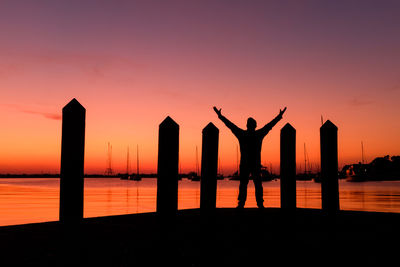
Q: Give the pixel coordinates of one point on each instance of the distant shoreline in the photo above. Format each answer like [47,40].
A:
[154,175]
[49,175]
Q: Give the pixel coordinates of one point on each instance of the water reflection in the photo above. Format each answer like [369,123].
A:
[37,200]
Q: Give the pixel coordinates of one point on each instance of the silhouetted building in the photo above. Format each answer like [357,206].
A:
[381,168]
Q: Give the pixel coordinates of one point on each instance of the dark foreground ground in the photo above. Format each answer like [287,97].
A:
[229,238]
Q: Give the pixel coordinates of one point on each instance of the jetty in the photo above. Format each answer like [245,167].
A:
[229,237]
[207,236]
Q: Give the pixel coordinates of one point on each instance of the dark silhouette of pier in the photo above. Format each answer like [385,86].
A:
[208,236]
[250,237]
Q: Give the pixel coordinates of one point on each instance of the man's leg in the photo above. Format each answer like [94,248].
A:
[259,188]
[244,180]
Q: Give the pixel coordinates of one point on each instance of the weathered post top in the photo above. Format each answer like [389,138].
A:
[288,128]
[328,125]
[210,128]
[73,105]
[168,122]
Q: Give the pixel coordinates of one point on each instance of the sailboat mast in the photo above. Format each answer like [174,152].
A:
[197,162]
[109,170]
[237,158]
[137,159]
[305,159]
[362,152]
[127,161]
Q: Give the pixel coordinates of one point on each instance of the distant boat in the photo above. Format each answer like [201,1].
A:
[137,176]
[265,174]
[126,176]
[307,175]
[220,176]
[356,173]
[356,178]
[317,178]
[236,175]
[180,175]
[194,176]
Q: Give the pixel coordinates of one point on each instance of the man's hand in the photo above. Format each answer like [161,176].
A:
[218,111]
[282,111]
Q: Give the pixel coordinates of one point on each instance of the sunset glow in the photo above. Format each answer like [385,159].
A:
[132,63]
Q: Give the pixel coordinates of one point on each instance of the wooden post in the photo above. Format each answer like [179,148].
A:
[72,162]
[167,171]
[209,168]
[288,167]
[329,167]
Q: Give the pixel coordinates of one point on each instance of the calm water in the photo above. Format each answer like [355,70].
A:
[37,200]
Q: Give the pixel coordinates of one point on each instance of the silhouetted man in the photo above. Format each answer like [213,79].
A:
[250,142]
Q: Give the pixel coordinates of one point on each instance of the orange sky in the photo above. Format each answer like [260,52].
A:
[132,64]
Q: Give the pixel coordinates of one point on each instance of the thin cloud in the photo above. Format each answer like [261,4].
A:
[47,115]
[31,110]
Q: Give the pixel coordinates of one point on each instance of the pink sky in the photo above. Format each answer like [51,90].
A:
[131,64]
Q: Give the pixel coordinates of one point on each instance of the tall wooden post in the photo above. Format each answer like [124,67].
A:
[72,162]
[288,167]
[329,167]
[209,168]
[168,163]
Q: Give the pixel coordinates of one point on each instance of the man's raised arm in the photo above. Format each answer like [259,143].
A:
[272,123]
[235,130]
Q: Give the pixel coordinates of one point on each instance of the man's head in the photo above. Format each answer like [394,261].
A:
[251,124]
